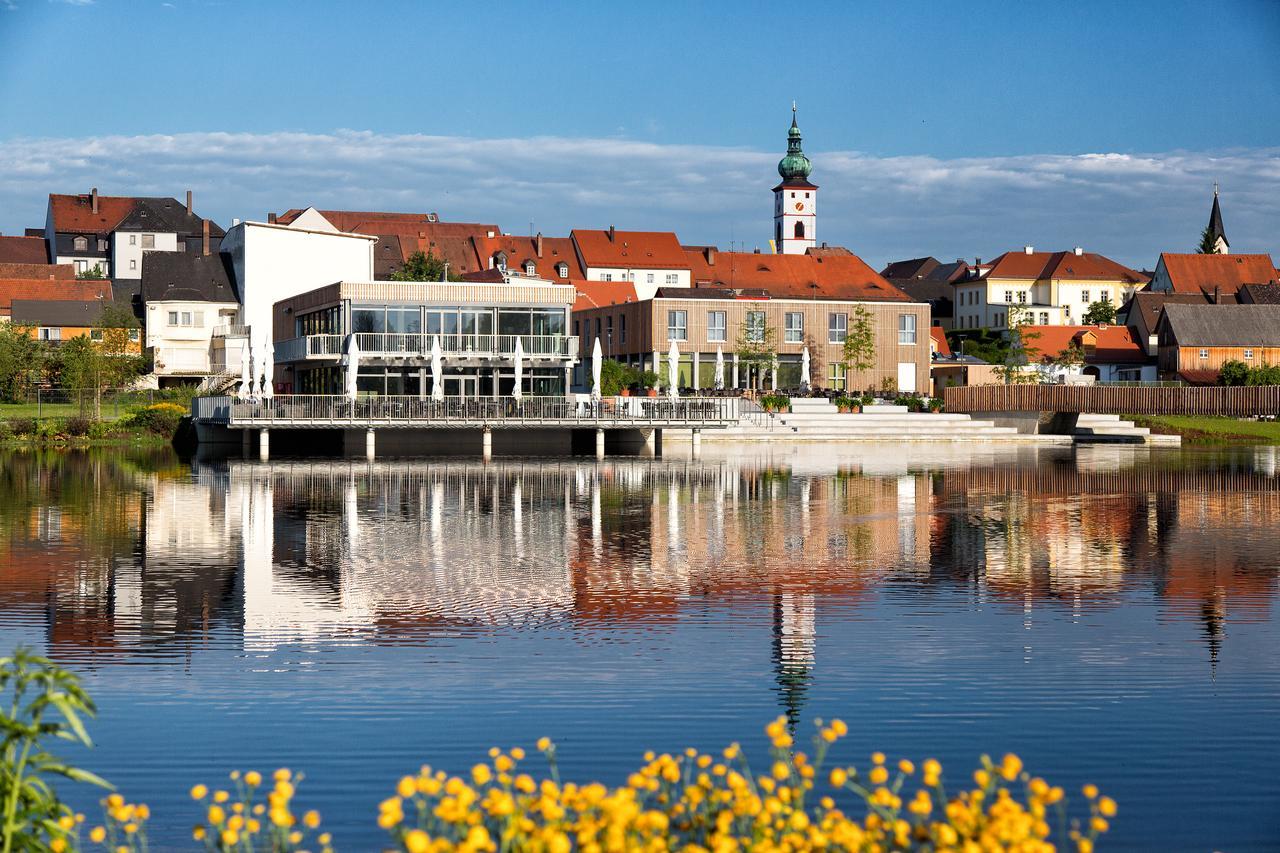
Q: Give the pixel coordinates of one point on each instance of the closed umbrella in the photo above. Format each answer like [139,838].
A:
[268,370]
[773,371]
[804,369]
[437,370]
[596,365]
[246,376]
[673,371]
[353,365]
[719,377]
[517,393]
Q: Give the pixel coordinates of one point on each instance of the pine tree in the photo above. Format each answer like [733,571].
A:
[1208,243]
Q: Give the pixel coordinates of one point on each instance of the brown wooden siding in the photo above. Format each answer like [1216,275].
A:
[1176,360]
[1230,402]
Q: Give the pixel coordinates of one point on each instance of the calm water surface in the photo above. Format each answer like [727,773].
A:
[1108,613]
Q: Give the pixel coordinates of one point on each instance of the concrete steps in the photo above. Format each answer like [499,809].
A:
[816,419]
[1110,427]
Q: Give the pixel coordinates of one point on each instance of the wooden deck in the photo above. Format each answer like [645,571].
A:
[1115,399]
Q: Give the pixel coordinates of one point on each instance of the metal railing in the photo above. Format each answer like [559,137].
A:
[380,344]
[231,330]
[337,411]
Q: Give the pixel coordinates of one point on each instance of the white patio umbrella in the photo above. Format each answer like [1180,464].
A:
[437,370]
[773,372]
[718,380]
[597,362]
[804,369]
[246,377]
[353,365]
[517,393]
[673,371]
[268,370]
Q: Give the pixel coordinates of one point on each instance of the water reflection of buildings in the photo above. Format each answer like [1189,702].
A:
[407,551]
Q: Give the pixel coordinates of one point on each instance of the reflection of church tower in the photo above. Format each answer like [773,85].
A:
[794,636]
[1213,612]
[795,200]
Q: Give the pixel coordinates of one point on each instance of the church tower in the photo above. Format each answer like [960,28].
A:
[795,200]
[1215,234]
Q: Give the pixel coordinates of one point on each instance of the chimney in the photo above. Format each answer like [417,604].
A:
[757,250]
[204,236]
[711,256]
[611,233]
[188,202]
[537,244]
[1030,250]
[1079,251]
[93,200]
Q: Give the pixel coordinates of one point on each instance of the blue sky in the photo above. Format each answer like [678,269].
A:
[932,125]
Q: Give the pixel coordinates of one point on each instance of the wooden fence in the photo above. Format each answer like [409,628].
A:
[1120,400]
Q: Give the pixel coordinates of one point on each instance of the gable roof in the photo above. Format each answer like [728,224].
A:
[555,250]
[1066,266]
[832,277]
[81,313]
[1223,325]
[166,215]
[1113,344]
[941,347]
[1149,303]
[914,268]
[23,250]
[1259,294]
[599,294]
[21,288]
[409,233]
[1192,273]
[74,214]
[624,249]
[188,277]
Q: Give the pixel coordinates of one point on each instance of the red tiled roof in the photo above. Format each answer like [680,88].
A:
[20,288]
[598,294]
[451,241]
[940,339]
[74,213]
[844,277]
[1067,266]
[23,250]
[1197,273]
[638,249]
[555,250]
[1115,344]
[64,272]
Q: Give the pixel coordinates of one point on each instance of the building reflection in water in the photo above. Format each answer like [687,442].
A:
[408,551]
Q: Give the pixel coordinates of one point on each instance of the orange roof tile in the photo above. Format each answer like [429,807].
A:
[1066,266]
[21,288]
[23,250]
[624,249]
[74,213]
[1114,344]
[555,250]
[65,272]
[1203,273]
[598,294]
[842,277]
[415,232]
[940,340]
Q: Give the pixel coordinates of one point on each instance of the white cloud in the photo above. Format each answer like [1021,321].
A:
[1129,206]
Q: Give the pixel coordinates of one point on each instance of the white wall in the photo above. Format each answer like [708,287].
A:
[274,262]
[127,258]
[640,278]
[184,349]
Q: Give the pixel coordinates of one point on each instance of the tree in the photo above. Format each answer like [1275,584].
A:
[1208,243]
[756,343]
[93,273]
[22,360]
[424,267]
[1233,372]
[1100,312]
[1022,349]
[859,343]
[105,359]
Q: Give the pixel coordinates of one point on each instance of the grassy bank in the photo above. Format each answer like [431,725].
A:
[156,424]
[1199,429]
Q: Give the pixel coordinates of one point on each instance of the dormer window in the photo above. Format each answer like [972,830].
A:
[102,245]
[81,244]
[528,267]
[500,260]
[562,269]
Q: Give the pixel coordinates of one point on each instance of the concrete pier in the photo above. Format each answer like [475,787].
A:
[264,444]
[370,444]
[599,444]
[696,443]
[486,445]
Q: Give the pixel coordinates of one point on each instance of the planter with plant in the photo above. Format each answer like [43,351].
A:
[848,404]
[775,403]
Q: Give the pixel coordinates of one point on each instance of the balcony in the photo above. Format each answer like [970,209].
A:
[413,345]
[230,330]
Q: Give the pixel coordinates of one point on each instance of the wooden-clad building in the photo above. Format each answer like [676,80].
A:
[1196,340]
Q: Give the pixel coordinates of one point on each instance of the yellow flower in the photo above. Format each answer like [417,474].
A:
[230,837]
[417,841]
[517,753]
[906,767]
[1010,767]
[877,757]
[311,819]
[198,833]
[878,775]
[481,774]
[1107,806]
[1090,790]
[281,775]
[839,728]
[221,796]
[98,834]
[114,801]
[216,815]
[58,845]
[407,787]
[839,777]
[253,778]
[544,744]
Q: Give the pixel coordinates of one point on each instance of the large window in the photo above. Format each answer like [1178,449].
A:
[794,327]
[906,328]
[327,321]
[835,376]
[837,328]
[186,318]
[148,241]
[622,329]
[755,326]
[717,323]
[677,325]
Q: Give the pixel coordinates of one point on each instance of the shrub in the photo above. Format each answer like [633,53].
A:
[847,402]
[24,426]
[775,402]
[1233,373]
[80,425]
[158,418]
[6,431]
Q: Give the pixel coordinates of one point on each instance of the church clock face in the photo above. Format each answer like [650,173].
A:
[799,206]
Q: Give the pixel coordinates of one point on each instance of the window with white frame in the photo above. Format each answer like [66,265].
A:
[677,325]
[672,278]
[1105,296]
[648,279]
[81,244]
[755,326]
[1044,318]
[148,241]
[1248,353]
[133,263]
[1008,297]
[906,328]
[1084,296]
[133,239]
[794,327]
[50,334]
[1204,353]
[186,318]
[102,245]
[835,376]
[608,276]
[1022,296]
[82,267]
[95,334]
[837,328]
[717,326]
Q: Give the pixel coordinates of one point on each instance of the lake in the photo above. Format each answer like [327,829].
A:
[1107,612]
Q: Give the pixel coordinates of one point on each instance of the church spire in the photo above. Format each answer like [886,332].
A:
[1217,234]
[795,164]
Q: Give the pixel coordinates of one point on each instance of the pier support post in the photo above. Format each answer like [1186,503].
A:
[370,444]
[697,443]
[246,442]
[264,444]
[486,445]
[599,444]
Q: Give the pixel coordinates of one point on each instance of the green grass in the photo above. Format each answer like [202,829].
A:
[46,411]
[1200,429]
